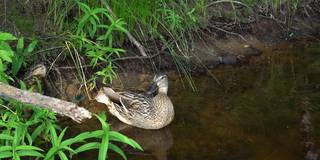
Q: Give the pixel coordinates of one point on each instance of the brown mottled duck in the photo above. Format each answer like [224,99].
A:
[148,111]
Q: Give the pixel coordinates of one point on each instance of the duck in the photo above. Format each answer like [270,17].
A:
[150,110]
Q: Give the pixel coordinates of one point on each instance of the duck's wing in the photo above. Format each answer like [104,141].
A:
[135,102]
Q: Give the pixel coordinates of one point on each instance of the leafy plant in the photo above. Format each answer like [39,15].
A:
[6,55]
[107,137]
[19,134]
[98,47]
[20,54]
[15,146]
[15,58]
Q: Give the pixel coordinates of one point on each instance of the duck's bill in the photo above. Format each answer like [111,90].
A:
[152,89]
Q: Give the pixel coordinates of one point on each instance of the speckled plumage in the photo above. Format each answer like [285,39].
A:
[140,110]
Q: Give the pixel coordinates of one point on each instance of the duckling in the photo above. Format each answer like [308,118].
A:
[148,111]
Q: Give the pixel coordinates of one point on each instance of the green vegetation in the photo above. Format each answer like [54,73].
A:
[98,29]
[25,129]
[96,33]
[23,136]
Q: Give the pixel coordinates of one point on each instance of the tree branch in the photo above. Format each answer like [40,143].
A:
[61,107]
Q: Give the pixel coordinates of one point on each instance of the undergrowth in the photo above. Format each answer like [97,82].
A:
[26,129]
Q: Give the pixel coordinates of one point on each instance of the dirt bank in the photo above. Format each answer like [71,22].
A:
[217,46]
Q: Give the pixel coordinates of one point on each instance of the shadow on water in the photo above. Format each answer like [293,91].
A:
[267,110]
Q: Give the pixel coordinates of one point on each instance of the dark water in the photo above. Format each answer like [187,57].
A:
[260,113]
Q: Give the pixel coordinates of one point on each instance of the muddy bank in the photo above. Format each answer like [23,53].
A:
[216,45]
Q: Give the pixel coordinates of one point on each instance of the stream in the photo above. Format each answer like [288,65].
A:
[265,110]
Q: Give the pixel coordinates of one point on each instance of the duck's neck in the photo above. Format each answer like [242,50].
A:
[163,90]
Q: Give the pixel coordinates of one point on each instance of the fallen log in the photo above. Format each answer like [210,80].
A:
[59,106]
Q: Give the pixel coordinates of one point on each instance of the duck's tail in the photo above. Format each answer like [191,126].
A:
[107,96]
[110,93]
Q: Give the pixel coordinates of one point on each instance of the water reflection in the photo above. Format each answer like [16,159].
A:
[155,143]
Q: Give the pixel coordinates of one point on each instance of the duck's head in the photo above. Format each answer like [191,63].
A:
[160,84]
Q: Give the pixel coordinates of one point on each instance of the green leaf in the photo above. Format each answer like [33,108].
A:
[20,44]
[5,148]
[81,137]
[37,131]
[31,46]
[85,8]
[50,154]
[16,156]
[16,64]
[103,116]
[94,27]
[88,146]
[5,46]
[81,23]
[117,150]
[31,153]
[99,10]
[6,55]
[102,37]
[62,155]
[28,136]
[25,147]
[1,66]
[95,134]
[6,155]
[104,147]
[6,137]
[105,139]
[116,136]
[62,134]
[54,137]
[6,36]
[69,149]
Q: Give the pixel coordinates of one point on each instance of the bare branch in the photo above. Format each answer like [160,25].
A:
[61,107]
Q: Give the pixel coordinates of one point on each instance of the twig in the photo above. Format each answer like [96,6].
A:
[49,49]
[113,60]
[135,57]
[232,33]
[6,107]
[136,43]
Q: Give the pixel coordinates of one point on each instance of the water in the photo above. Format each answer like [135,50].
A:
[256,115]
